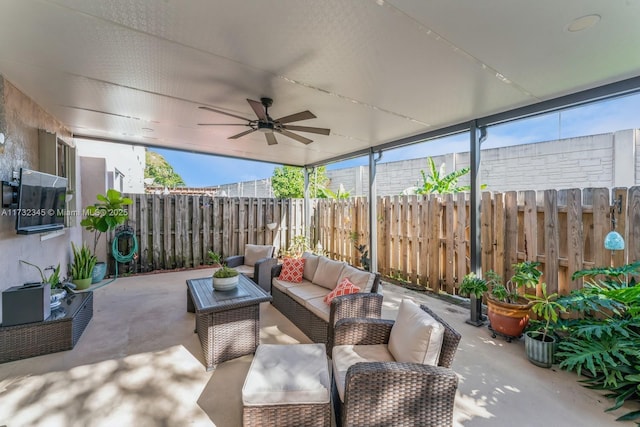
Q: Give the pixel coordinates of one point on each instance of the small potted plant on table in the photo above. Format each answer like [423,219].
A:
[57,291]
[82,266]
[225,279]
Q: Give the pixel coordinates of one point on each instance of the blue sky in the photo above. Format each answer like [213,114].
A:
[199,170]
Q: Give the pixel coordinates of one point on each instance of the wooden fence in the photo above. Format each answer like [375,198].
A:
[421,239]
[177,231]
[425,239]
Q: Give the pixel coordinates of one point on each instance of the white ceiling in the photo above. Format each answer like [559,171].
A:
[373,71]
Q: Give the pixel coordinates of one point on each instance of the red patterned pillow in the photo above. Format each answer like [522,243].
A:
[344,288]
[292,270]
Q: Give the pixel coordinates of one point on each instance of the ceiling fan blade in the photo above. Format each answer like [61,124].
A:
[296,137]
[302,115]
[271,139]
[223,124]
[258,108]
[246,132]
[321,131]
[223,112]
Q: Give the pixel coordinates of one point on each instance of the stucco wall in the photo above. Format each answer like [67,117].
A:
[128,159]
[22,118]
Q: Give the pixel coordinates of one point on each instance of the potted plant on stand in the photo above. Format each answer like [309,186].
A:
[82,266]
[105,215]
[539,344]
[507,309]
[225,279]
[474,287]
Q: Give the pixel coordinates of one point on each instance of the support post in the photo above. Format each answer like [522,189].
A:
[307,207]
[373,212]
[476,317]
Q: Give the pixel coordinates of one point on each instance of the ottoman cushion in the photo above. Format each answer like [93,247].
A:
[287,374]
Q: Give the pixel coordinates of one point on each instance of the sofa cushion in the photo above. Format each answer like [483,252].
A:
[344,288]
[292,269]
[345,356]
[254,253]
[328,272]
[362,279]
[310,265]
[283,285]
[415,336]
[318,307]
[302,293]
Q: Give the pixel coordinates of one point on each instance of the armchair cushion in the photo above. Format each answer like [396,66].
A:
[344,288]
[254,253]
[292,270]
[327,273]
[415,336]
[345,356]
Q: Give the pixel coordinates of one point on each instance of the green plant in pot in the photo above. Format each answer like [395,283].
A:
[105,215]
[214,258]
[474,287]
[539,343]
[81,266]
[225,279]
[54,281]
[507,308]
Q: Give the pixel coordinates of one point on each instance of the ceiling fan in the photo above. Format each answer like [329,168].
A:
[265,124]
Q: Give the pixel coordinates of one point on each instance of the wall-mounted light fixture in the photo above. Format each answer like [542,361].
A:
[614,240]
[3,138]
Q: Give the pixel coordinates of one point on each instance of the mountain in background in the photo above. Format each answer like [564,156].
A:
[161,171]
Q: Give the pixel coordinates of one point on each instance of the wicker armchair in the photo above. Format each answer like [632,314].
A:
[394,393]
[256,263]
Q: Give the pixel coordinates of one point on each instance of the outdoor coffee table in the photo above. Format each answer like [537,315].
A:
[227,323]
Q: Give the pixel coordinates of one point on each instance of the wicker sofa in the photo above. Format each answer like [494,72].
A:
[303,304]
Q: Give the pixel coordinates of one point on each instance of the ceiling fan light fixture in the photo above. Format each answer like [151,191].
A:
[583,23]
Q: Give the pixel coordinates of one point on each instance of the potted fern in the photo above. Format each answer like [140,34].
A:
[82,266]
[225,279]
[539,344]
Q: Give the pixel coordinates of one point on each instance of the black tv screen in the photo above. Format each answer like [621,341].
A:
[41,202]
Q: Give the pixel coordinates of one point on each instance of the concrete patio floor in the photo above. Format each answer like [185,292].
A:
[139,364]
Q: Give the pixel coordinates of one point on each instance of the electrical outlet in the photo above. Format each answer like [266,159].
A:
[15,174]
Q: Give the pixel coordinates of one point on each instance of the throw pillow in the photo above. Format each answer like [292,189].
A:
[344,288]
[415,337]
[292,269]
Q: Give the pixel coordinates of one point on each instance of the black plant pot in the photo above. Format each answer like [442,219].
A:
[476,317]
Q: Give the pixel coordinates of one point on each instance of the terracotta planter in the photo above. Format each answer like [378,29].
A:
[508,319]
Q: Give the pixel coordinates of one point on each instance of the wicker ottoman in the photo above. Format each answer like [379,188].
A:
[287,385]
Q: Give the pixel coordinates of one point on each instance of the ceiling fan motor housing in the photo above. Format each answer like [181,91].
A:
[266,127]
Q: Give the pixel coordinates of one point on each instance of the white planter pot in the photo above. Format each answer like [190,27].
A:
[225,283]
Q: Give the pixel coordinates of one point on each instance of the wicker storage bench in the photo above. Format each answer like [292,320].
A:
[287,385]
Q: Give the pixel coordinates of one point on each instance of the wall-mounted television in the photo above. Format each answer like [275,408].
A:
[41,202]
